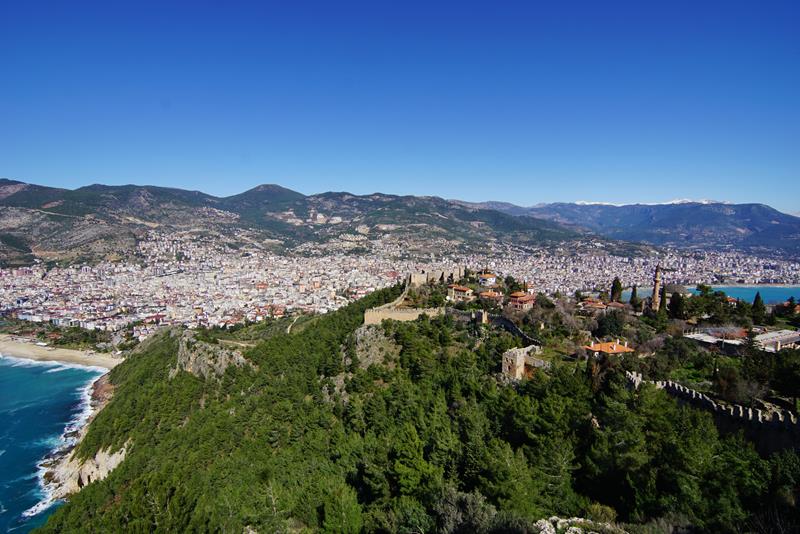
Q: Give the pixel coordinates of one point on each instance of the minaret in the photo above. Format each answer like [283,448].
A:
[655,302]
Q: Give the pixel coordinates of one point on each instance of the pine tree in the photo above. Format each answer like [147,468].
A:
[759,310]
[616,290]
[342,511]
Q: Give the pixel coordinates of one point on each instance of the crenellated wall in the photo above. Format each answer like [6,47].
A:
[769,431]
[435,276]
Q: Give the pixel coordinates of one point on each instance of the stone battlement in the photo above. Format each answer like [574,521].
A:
[779,418]
[436,276]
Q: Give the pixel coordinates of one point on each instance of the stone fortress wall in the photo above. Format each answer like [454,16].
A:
[375,315]
[418,279]
[770,432]
[390,310]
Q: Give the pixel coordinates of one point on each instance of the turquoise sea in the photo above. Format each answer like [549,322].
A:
[770,294]
[40,404]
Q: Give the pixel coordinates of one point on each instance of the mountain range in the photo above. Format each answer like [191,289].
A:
[102,221]
[684,223]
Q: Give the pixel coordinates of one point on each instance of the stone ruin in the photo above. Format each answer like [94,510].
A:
[520,363]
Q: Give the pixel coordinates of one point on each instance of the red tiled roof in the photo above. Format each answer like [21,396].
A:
[609,347]
[460,289]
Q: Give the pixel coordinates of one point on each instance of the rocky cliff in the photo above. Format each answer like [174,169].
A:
[66,473]
[202,359]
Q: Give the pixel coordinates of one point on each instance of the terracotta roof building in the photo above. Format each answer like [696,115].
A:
[609,347]
[519,300]
[459,293]
[487,279]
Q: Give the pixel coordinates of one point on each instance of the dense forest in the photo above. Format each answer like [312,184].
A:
[421,436]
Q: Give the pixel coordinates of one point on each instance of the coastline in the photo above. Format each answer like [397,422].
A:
[713,286]
[755,285]
[19,348]
[61,474]
[54,483]
[93,398]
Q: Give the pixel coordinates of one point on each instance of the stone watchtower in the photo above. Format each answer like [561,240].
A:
[655,302]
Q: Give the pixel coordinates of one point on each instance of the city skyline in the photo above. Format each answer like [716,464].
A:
[528,104]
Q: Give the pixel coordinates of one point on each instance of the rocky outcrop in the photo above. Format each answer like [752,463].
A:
[371,347]
[575,525]
[65,473]
[71,474]
[202,359]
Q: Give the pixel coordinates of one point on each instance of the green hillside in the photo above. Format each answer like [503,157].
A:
[325,433]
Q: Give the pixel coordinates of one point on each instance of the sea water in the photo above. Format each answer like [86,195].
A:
[41,404]
[770,294]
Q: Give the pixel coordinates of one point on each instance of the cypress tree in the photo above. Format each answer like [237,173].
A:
[662,306]
[676,307]
[634,298]
[759,312]
[616,290]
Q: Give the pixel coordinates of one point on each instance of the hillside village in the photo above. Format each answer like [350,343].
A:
[728,352]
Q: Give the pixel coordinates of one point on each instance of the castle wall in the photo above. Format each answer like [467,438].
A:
[376,315]
[770,432]
[435,276]
[390,310]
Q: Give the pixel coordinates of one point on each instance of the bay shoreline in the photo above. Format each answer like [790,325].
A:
[94,396]
[17,347]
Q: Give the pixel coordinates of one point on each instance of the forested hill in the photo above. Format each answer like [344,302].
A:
[404,427]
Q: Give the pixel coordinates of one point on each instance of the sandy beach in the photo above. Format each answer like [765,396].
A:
[16,347]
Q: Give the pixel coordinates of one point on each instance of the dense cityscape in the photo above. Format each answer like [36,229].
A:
[185,280]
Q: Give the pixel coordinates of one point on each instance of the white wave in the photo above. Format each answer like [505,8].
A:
[15,361]
[40,506]
[65,442]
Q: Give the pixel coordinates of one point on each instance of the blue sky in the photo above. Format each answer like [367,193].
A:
[519,101]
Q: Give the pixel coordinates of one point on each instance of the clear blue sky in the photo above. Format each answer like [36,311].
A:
[519,101]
